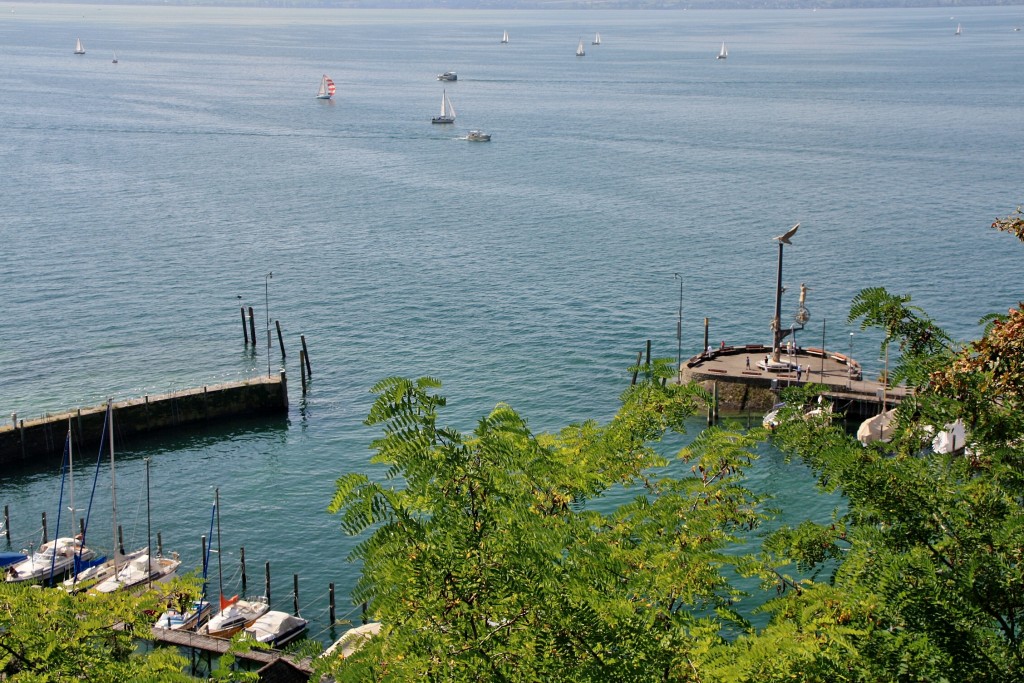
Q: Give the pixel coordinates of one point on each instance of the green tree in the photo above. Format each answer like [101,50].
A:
[487,559]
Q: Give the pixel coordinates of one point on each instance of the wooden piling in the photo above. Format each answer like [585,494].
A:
[45,537]
[159,544]
[305,354]
[81,526]
[636,370]
[245,330]
[302,367]
[267,591]
[703,348]
[295,593]
[252,328]
[7,523]
[120,539]
[280,338]
[330,602]
[244,581]
[648,361]
[363,613]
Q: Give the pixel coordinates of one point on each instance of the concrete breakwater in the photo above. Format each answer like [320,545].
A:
[35,440]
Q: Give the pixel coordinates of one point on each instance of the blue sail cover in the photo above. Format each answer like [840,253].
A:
[7,559]
[81,565]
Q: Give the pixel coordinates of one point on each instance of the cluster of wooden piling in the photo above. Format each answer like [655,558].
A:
[249,335]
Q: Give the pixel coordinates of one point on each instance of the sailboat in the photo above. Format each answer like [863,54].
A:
[504,37]
[79,48]
[958,30]
[326,90]
[234,614]
[143,569]
[59,556]
[596,40]
[115,58]
[447,110]
[723,53]
[579,49]
[182,618]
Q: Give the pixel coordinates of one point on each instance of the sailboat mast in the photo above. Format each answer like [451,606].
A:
[149,532]
[113,478]
[71,480]
[220,571]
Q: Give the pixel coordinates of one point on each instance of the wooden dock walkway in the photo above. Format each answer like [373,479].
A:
[842,377]
[206,643]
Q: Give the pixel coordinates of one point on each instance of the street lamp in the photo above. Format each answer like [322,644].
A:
[777,332]
[679,331]
[849,365]
[266,302]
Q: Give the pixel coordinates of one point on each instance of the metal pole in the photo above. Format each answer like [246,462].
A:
[266,302]
[777,320]
[823,350]
[849,365]
[679,331]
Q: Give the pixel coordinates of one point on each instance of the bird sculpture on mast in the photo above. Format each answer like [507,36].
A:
[777,333]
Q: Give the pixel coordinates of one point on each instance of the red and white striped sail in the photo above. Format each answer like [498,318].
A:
[327,88]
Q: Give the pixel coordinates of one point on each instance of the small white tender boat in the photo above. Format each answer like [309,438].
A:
[189,620]
[353,639]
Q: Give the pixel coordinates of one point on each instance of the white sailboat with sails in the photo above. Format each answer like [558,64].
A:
[958,30]
[79,48]
[596,40]
[504,37]
[447,110]
[327,88]
[580,52]
[723,53]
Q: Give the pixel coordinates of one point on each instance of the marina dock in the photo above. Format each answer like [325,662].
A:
[218,646]
[34,440]
[744,384]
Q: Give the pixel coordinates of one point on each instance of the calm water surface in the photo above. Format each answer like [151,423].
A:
[144,201]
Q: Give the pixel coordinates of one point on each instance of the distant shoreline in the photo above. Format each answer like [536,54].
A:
[555,4]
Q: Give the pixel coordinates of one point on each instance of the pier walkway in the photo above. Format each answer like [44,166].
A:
[842,377]
[219,646]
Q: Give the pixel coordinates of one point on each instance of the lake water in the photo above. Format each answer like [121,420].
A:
[144,201]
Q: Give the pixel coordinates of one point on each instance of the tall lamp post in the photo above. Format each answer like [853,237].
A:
[266,303]
[679,331]
[849,365]
[777,333]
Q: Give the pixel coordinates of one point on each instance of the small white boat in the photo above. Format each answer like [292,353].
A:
[53,559]
[448,76]
[723,53]
[596,40]
[115,59]
[478,136]
[447,110]
[189,620]
[504,37]
[958,30]
[580,52]
[877,428]
[353,639]
[79,48]
[327,89]
[234,615]
[141,571]
[276,629]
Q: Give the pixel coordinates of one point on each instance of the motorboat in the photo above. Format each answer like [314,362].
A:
[478,136]
[352,640]
[276,629]
[448,76]
[53,559]
[234,615]
[189,620]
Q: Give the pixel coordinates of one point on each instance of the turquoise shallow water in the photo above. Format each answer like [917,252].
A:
[144,201]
